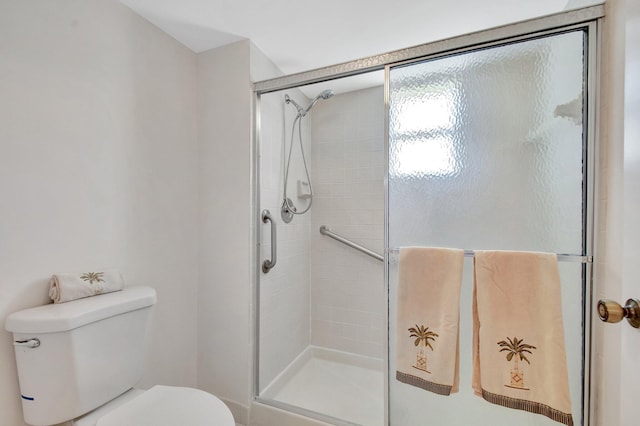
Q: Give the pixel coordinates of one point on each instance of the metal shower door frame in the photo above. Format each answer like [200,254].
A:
[589,18]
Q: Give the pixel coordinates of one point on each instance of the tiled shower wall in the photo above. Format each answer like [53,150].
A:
[347,287]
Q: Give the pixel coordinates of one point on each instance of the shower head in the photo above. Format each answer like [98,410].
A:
[325,94]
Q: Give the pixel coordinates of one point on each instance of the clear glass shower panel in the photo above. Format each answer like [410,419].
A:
[284,291]
[321,317]
[487,152]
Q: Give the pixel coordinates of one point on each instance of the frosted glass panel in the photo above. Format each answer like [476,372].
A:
[486,148]
[486,152]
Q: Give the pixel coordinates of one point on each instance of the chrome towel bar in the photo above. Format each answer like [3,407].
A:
[324,230]
[561,257]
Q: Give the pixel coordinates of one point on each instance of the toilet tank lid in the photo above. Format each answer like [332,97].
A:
[69,315]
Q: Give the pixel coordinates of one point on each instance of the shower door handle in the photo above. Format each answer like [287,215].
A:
[267,265]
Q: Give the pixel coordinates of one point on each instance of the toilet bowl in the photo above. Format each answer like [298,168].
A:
[79,361]
[160,406]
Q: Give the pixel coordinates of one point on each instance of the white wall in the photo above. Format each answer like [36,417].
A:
[348,300]
[610,230]
[630,372]
[616,371]
[224,298]
[98,168]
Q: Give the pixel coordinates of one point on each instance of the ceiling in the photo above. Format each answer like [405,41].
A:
[299,35]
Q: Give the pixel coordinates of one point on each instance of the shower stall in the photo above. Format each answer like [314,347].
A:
[482,142]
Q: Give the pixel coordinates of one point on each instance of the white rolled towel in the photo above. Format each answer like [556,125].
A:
[71,286]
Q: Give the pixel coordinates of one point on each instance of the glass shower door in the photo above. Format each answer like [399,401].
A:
[321,309]
[487,151]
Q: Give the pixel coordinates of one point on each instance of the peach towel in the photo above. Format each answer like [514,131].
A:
[518,334]
[427,335]
[70,286]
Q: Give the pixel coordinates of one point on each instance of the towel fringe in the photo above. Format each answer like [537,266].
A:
[423,384]
[530,406]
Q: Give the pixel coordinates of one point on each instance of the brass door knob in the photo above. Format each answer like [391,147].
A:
[611,311]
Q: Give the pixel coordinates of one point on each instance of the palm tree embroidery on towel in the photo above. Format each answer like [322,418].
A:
[516,350]
[422,336]
[94,277]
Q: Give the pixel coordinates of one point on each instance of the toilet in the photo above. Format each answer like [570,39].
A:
[78,362]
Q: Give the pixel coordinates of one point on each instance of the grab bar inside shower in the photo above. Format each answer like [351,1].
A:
[324,230]
[267,265]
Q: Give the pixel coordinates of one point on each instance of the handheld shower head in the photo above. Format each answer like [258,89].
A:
[326,94]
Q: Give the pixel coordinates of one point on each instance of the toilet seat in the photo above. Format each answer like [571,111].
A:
[170,406]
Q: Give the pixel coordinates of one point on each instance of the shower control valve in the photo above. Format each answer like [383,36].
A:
[287,210]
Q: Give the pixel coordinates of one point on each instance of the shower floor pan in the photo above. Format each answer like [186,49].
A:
[338,384]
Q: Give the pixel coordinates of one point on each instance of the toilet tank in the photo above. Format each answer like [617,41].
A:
[90,351]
